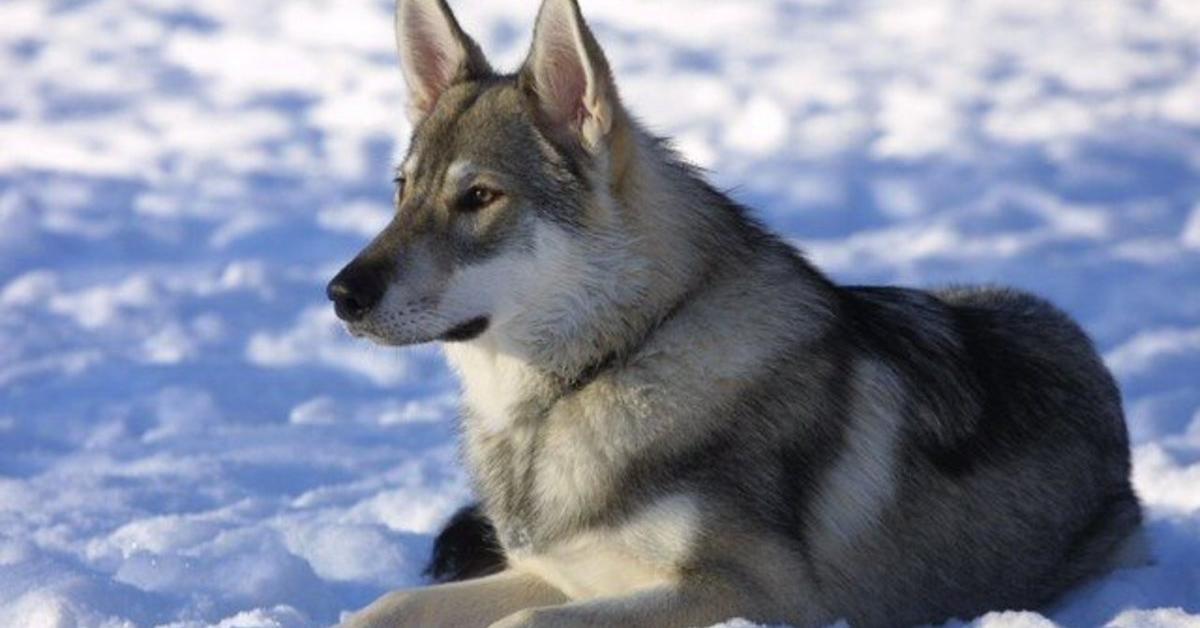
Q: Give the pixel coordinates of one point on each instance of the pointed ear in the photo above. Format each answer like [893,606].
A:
[568,75]
[435,53]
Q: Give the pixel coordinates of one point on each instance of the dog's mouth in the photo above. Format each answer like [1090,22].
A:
[469,330]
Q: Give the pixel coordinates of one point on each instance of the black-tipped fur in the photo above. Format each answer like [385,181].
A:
[466,548]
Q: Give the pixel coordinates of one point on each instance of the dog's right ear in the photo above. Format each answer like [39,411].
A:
[435,53]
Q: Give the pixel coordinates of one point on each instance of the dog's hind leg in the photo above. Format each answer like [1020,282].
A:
[471,604]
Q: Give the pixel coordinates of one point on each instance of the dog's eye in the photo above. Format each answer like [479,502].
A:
[399,182]
[477,198]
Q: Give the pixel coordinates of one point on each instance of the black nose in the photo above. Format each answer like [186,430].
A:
[354,292]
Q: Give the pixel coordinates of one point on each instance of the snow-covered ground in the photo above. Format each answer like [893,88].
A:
[186,434]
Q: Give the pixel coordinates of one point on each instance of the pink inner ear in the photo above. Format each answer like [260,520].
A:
[432,63]
[570,87]
[433,55]
[561,76]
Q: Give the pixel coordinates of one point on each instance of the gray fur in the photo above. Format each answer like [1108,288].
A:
[694,403]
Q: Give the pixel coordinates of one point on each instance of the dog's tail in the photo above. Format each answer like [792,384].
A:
[466,548]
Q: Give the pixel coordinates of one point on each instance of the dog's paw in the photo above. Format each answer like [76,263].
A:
[395,610]
[527,618]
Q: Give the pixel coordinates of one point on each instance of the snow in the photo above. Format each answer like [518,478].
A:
[187,436]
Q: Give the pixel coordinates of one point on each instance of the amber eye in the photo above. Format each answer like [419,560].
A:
[399,182]
[477,198]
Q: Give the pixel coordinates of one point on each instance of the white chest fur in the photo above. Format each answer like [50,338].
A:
[493,383]
[574,470]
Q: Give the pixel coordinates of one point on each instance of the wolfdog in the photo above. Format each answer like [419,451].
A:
[671,418]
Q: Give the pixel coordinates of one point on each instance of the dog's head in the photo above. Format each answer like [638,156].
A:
[503,205]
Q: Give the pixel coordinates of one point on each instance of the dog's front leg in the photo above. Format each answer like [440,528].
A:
[682,605]
[470,604]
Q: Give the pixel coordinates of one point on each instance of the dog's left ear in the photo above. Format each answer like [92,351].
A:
[434,53]
[568,75]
